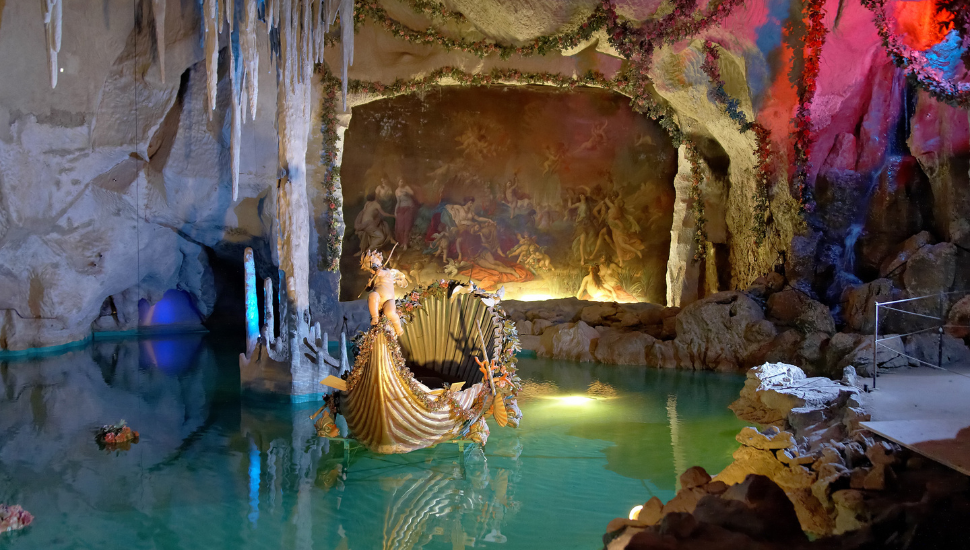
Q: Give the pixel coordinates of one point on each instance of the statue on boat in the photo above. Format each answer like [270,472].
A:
[435,379]
[432,367]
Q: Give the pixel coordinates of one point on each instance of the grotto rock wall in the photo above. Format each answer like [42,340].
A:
[117,168]
[115,186]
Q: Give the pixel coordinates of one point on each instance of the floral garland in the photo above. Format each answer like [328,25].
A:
[435,10]
[697,202]
[682,22]
[812,42]
[430,36]
[331,175]
[915,64]
[732,107]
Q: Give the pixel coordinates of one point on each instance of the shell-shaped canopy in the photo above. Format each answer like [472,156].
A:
[442,331]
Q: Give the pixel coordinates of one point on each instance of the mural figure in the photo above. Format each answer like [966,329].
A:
[517,204]
[380,289]
[371,227]
[597,138]
[594,288]
[404,212]
[625,242]
[385,195]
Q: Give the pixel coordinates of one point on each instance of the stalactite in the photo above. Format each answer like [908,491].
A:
[235,137]
[53,11]
[250,54]
[346,42]
[158,12]
[230,13]
[210,23]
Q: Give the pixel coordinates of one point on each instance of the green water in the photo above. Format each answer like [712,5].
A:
[214,471]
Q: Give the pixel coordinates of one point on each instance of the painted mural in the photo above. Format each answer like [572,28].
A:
[544,192]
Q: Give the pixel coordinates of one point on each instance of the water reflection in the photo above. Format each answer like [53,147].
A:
[212,471]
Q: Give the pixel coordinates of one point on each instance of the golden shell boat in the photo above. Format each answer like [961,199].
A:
[431,385]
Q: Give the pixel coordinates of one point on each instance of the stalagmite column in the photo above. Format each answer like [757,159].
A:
[682,271]
[269,322]
[252,309]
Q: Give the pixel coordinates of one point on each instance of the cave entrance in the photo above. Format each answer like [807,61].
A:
[528,187]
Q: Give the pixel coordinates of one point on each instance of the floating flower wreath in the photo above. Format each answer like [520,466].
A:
[13,517]
[915,63]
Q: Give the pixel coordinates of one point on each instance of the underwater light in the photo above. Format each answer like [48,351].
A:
[635,511]
[575,399]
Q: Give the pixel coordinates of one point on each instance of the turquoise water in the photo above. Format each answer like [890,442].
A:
[214,471]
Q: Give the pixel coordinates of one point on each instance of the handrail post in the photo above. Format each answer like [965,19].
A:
[939,351]
[875,342]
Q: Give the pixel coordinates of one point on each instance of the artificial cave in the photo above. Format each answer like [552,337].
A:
[400,274]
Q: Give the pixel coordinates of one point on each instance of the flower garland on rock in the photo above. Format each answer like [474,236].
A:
[331,175]
[812,41]
[682,22]
[435,10]
[697,202]
[732,107]
[430,36]
[915,63]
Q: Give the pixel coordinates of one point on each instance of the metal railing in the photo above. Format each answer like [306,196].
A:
[939,327]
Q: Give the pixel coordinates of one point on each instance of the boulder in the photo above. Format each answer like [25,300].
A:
[959,319]
[598,314]
[926,347]
[888,356]
[651,314]
[523,326]
[540,325]
[651,513]
[771,391]
[571,341]
[850,510]
[794,308]
[721,331]
[895,264]
[931,269]
[623,348]
[694,476]
[770,439]
[748,460]
[859,304]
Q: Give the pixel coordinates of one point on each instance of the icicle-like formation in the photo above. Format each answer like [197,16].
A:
[210,31]
[53,10]
[250,55]
[235,137]
[158,11]
[230,13]
[346,42]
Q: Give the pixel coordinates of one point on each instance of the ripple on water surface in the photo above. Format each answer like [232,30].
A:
[212,471]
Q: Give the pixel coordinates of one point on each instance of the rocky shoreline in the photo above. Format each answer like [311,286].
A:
[729,331]
[808,476]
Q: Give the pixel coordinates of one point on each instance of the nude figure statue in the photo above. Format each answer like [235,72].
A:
[380,291]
